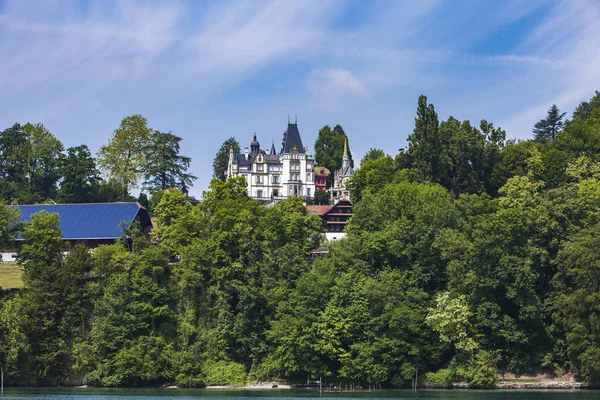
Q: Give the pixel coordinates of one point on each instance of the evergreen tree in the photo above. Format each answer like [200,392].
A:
[166,168]
[80,177]
[222,158]
[548,128]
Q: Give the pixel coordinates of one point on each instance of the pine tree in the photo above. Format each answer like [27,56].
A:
[546,129]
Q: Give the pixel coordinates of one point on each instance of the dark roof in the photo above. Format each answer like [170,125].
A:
[240,159]
[273,151]
[291,138]
[92,220]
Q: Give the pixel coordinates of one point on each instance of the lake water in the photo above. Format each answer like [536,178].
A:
[222,394]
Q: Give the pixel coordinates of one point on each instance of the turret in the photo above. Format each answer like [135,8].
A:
[254,146]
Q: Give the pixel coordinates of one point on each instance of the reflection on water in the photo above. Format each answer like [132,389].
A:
[238,394]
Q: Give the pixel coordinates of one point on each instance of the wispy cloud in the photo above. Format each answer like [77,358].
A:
[329,87]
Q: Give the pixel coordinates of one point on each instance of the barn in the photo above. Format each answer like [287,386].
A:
[92,224]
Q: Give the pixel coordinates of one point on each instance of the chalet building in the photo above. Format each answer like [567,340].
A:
[335,218]
[321,175]
[92,224]
[275,176]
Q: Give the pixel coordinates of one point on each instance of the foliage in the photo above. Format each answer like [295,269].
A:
[548,128]
[166,168]
[467,256]
[124,157]
[222,158]
[80,177]
[329,149]
[321,197]
[485,374]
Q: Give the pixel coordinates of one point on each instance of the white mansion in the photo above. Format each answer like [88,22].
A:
[272,176]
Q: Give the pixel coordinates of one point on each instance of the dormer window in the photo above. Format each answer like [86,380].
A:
[259,159]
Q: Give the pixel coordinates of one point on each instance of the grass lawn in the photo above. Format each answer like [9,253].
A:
[10,275]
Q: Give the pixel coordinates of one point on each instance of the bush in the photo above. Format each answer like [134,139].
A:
[486,374]
[440,379]
[224,373]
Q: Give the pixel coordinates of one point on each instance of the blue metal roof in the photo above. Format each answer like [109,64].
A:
[89,221]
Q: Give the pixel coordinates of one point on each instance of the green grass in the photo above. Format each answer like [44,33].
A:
[523,380]
[10,275]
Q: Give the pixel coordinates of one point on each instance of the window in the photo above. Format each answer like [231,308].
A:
[259,167]
[309,176]
[295,167]
[308,192]
[275,193]
[259,193]
[309,166]
[259,159]
[274,179]
[274,168]
[258,179]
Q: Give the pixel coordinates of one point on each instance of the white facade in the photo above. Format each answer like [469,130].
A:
[272,176]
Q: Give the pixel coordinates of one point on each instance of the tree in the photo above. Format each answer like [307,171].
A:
[43,160]
[425,144]
[222,158]
[574,299]
[124,158]
[372,155]
[165,167]
[548,128]
[14,156]
[80,177]
[321,197]
[329,149]
[9,225]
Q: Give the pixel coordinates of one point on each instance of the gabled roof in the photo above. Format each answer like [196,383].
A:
[319,210]
[91,220]
[291,138]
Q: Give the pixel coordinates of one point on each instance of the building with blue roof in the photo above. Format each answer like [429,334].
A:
[90,223]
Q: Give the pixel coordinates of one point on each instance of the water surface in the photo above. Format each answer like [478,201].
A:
[286,394]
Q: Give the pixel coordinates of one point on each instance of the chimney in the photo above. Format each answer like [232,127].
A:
[246,152]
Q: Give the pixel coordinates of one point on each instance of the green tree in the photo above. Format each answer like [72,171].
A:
[44,165]
[329,149]
[321,197]
[166,167]
[425,143]
[9,225]
[80,177]
[222,158]
[548,128]
[574,301]
[372,155]
[124,157]
[14,154]
[372,176]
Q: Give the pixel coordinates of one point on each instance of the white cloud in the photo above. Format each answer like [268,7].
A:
[330,87]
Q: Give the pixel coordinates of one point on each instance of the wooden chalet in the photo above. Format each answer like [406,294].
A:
[334,218]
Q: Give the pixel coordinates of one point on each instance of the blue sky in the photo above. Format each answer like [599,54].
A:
[210,70]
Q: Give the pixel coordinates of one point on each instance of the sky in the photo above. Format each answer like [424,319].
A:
[208,70]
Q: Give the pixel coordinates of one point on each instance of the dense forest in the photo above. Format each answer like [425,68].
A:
[468,255]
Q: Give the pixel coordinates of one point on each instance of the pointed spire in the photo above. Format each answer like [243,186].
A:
[273,151]
[345,147]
